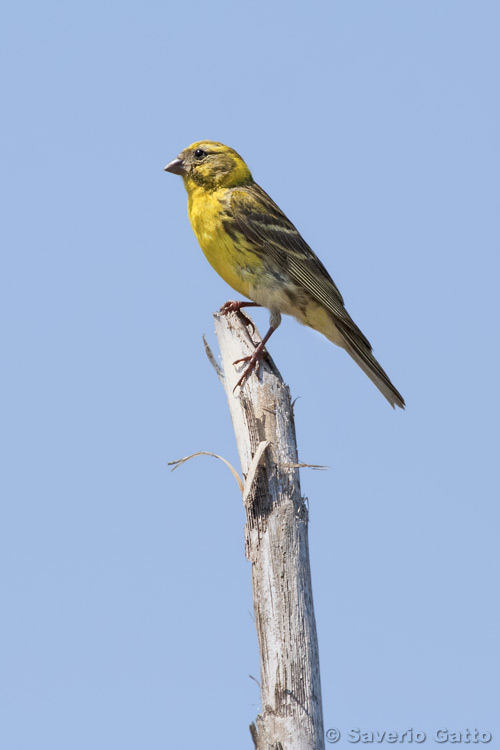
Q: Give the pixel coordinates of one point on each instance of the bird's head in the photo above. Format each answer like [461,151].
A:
[210,165]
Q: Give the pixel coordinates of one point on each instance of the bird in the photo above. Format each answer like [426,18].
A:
[257,250]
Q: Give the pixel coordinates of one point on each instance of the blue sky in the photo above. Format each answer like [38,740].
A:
[126,597]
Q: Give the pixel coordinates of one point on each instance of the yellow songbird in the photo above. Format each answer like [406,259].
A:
[258,251]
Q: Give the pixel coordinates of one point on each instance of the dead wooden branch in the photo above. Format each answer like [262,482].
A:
[276,543]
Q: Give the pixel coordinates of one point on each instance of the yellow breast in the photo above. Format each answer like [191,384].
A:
[227,252]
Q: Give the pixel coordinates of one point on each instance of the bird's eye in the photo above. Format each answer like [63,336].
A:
[199,153]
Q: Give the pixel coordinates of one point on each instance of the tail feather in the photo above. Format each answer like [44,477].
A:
[362,355]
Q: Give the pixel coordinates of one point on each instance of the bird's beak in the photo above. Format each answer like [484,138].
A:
[176,167]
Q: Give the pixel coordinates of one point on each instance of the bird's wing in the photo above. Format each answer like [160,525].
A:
[272,234]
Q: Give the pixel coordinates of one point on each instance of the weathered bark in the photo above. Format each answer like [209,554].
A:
[277,545]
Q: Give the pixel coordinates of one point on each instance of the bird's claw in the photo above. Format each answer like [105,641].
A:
[233,306]
[254,363]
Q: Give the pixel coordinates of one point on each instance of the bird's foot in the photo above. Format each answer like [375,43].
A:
[253,364]
[233,306]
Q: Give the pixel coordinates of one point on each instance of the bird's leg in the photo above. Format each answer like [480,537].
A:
[255,358]
[233,306]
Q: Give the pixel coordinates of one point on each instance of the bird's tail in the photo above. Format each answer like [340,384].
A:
[362,354]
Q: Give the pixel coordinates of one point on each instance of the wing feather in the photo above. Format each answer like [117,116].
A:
[273,235]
